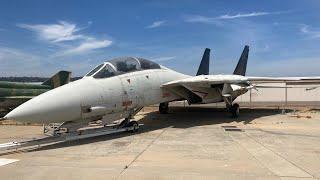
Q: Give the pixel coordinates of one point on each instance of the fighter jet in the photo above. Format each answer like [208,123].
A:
[120,87]
[12,94]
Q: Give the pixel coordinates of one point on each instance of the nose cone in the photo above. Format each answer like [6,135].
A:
[57,105]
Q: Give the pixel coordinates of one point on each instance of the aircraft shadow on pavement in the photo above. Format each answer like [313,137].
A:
[186,117]
[178,117]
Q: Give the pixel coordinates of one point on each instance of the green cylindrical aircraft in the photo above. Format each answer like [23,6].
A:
[12,94]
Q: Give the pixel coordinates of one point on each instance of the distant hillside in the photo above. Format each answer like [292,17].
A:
[30,79]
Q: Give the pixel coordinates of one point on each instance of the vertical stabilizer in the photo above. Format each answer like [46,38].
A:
[204,65]
[242,64]
[59,79]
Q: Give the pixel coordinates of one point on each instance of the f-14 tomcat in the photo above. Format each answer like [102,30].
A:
[120,87]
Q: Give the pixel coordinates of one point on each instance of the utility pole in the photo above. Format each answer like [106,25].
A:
[250,99]
[286,96]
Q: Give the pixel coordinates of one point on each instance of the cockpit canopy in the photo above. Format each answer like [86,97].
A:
[121,65]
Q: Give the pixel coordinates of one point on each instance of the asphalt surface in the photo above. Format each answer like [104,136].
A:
[187,143]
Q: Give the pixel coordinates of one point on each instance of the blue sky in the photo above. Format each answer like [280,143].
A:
[40,37]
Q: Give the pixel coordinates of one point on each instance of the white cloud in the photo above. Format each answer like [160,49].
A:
[276,23]
[68,36]
[198,18]
[15,62]
[312,33]
[87,46]
[156,24]
[304,29]
[308,66]
[217,20]
[239,15]
[202,19]
[161,59]
[62,31]
[7,53]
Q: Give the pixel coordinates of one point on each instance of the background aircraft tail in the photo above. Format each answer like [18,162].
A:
[204,65]
[59,79]
[242,64]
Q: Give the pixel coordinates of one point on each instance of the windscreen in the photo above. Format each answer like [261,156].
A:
[146,64]
[122,65]
[105,72]
[94,70]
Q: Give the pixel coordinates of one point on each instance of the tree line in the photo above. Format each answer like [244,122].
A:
[30,79]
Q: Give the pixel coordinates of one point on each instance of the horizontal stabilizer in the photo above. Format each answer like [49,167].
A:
[242,63]
[204,65]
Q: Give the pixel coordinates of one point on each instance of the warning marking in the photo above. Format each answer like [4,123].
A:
[4,161]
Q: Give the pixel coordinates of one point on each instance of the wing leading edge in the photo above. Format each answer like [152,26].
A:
[287,80]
